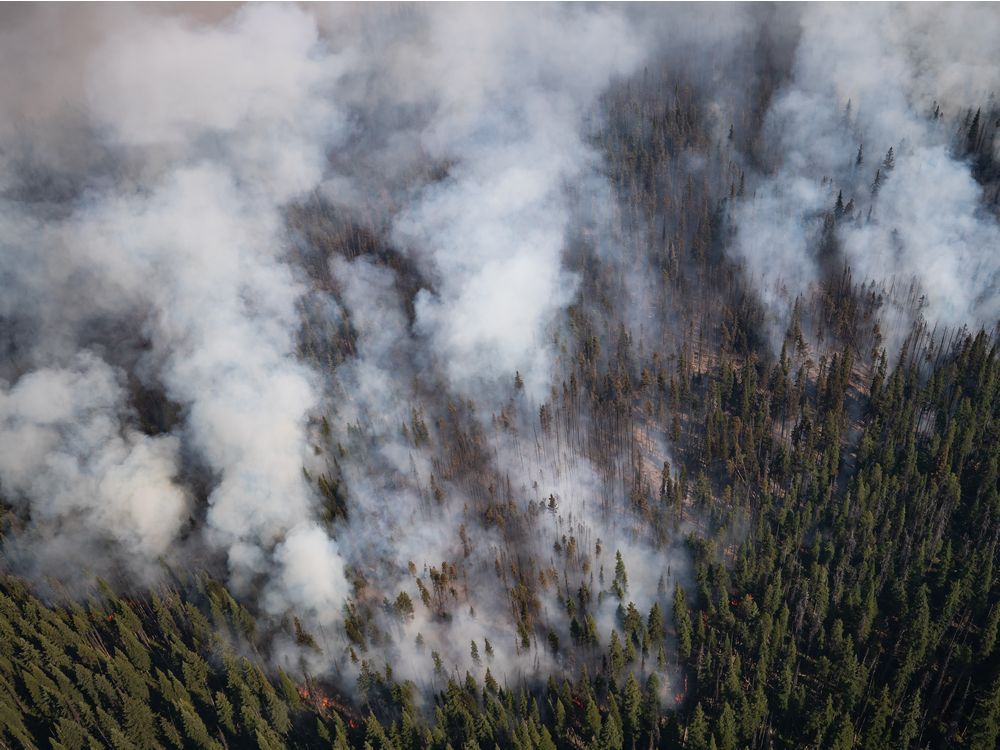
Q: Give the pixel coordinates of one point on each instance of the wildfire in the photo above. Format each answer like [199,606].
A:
[316,698]
[736,601]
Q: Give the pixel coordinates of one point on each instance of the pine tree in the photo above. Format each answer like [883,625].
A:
[593,717]
[682,623]
[654,624]
[877,183]
[621,576]
[632,706]
[889,162]
[911,722]
[843,738]
[876,732]
[697,730]
[972,135]
[986,720]
[727,728]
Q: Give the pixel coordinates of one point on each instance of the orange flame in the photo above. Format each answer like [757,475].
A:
[316,698]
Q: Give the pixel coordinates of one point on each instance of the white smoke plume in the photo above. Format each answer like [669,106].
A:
[214,128]
[205,130]
[507,92]
[154,393]
[61,446]
[869,78]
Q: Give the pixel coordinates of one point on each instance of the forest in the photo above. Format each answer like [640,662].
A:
[567,376]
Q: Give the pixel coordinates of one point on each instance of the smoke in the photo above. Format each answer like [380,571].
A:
[509,88]
[869,79]
[182,242]
[196,373]
[502,97]
[184,411]
[60,445]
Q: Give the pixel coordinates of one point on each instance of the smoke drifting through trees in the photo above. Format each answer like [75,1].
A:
[180,243]
[354,302]
[857,131]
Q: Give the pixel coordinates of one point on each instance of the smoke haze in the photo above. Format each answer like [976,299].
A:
[193,374]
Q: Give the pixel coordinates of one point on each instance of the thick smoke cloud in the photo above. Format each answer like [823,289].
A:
[493,231]
[179,232]
[61,446]
[155,393]
[504,95]
[870,79]
[186,236]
